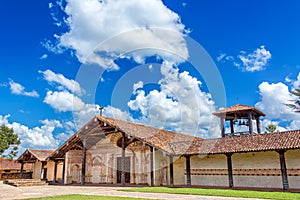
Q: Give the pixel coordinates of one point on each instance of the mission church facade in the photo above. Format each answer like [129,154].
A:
[113,151]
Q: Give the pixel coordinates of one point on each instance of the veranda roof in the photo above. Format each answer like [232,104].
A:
[31,155]
[246,143]
[174,143]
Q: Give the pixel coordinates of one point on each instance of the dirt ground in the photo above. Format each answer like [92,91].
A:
[10,192]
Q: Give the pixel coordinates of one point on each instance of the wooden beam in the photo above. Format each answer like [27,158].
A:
[250,122]
[188,169]
[285,183]
[83,162]
[229,167]
[258,128]
[151,166]
[231,126]
[21,172]
[55,171]
[171,171]
[63,170]
[123,160]
[222,127]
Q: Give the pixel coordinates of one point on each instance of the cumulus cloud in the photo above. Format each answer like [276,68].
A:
[180,104]
[62,81]
[135,25]
[40,137]
[63,101]
[18,89]
[274,97]
[255,61]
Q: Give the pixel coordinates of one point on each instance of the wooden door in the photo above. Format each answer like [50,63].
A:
[127,169]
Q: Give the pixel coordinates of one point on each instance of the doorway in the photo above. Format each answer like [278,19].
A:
[127,169]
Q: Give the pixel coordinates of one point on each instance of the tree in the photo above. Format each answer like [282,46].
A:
[295,103]
[271,128]
[9,142]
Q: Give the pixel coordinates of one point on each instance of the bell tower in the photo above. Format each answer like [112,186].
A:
[241,115]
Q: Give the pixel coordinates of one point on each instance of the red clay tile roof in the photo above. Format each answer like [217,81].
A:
[238,108]
[248,143]
[31,155]
[6,164]
[155,137]
[178,143]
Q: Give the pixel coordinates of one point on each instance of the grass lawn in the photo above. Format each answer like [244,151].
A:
[218,192]
[84,197]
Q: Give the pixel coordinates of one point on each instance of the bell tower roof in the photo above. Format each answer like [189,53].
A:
[238,110]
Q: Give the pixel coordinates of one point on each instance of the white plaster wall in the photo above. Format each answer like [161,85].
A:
[292,159]
[256,160]
[217,161]
[161,166]
[209,162]
[179,166]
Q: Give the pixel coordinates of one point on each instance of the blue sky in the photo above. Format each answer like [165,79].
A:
[162,63]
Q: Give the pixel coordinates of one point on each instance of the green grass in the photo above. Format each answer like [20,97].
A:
[218,192]
[84,197]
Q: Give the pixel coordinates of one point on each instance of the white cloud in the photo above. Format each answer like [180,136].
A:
[44,56]
[296,83]
[40,137]
[255,61]
[18,89]
[180,105]
[137,86]
[63,101]
[274,96]
[133,23]
[69,84]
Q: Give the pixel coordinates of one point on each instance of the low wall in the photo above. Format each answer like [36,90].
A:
[15,175]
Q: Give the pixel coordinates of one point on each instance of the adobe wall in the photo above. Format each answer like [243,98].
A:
[257,169]
[101,163]
[208,170]
[36,174]
[292,158]
[252,169]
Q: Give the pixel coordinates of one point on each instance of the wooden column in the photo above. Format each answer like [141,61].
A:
[151,166]
[188,169]
[231,127]
[63,170]
[250,122]
[42,170]
[21,171]
[83,161]
[123,160]
[258,125]
[171,170]
[229,166]
[222,127]
[55,171]
[284,176]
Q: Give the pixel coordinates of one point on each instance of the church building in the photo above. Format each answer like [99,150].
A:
[112,151]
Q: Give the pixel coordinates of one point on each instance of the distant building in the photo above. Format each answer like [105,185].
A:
[112,151]
[10,169]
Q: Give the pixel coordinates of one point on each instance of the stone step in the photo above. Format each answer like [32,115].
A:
[25,182]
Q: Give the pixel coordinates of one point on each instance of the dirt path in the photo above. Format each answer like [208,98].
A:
[10,192]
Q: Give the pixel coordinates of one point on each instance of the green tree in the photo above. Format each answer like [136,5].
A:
[295,104]
[9,142]
[271,128]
